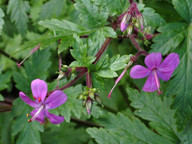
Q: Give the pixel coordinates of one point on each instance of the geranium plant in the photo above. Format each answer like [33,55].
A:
[96,71]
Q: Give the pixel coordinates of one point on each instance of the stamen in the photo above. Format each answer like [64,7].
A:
[27,115]
[157,82]
[39,99]
[29,120]
[37,113]
[34,97]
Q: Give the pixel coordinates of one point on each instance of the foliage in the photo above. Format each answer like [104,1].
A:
[77,46]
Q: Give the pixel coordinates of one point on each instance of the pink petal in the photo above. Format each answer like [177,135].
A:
[168,66]
[150,84]
[56,99]
[40,117]
[39,89]
[153,60]
[54,118]
[123,26]
[27,100]
[138,72]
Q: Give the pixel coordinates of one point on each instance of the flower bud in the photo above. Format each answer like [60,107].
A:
[64,68]
[98,100]
[89,106]
[141,21]
[61,75]
[81,96]
[73,70]
[94,90]
[92,95]
[130,29]
[83,103]
[125,21]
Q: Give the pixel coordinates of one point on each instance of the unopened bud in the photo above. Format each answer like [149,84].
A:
[98,100]
[141,21]
[64,68]
[84,103]
[94,90]
[89,106]
[85,93]
[125,21]
[130,29]
[73,70]
[92,95]
[61,75]
[81,96]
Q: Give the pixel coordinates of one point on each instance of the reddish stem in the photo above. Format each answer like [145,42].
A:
[89,83]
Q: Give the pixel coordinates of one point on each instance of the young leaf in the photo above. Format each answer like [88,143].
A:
[1,20]
[18,10]
[150,107]
[121,129]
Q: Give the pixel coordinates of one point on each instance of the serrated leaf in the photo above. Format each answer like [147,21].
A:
[1,97]
[158,112]
[27,132]
[4,79]
[18,10]
[151,18]
[52,8]
[63,26]
[120,129]
[36,68]
[171,36]
[65,43]
[106,73]
[73,105]
[90,14]
[1,20]
[184,8]
[118,63]
[113,7]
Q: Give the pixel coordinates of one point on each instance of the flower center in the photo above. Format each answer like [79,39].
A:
[36,114]
[157,81]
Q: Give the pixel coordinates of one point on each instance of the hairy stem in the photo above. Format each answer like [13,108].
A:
[88,76]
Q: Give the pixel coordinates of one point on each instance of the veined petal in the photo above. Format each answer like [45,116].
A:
[39,89]
[150,84]
[38,115]
[123,26]
[153,60]
[56,99]
[54,118]
[138,72]
[27,100]
[168,66]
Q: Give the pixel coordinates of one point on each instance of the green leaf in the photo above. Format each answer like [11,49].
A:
[1,97]
[4,79]
[118,63]
[18,10]
[73,104]
[27,132]
[36,68]
[113,7]
[1,20]
[121,129]
[52,8]
[151,18]
[65,43]
[170,38]
[157,111]
[90,14]
[186,134]
[64,26]
[184,8]
[106,73]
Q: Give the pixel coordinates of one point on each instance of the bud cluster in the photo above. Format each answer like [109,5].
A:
[132,20]
[88,96]
[65,71]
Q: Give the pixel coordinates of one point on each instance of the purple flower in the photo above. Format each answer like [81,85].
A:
[42,105]
[125,21]
[155,70]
